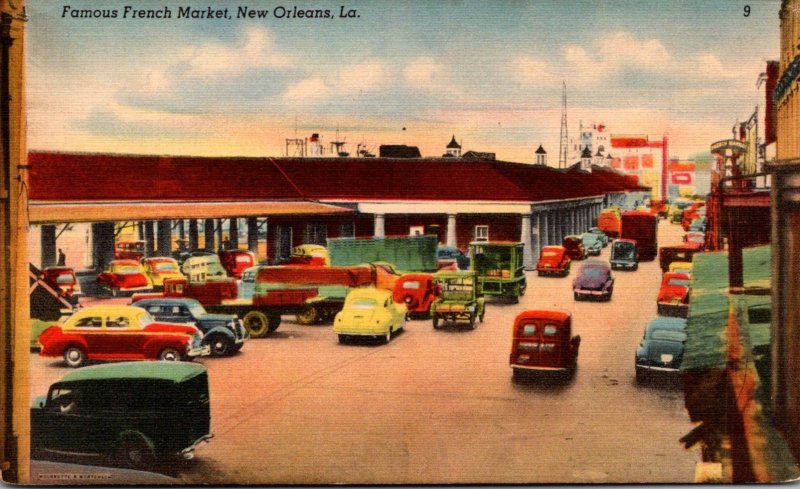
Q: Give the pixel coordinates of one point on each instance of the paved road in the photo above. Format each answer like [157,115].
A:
[439,406]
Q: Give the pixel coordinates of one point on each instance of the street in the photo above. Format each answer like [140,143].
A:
[439,406]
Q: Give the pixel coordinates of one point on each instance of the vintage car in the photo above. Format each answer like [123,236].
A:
[673,296]
[129,250]
[247,284]
[417,291]
[459,299]
[223,333]
[543,341]
[124,277]
[499,269]
[310,254]
[447,256]
[668,254]
[697,238]
[661,348]
[553,260]
[236,261]
[369,312]
[600,234]
[592,244]
[62,280]
[158,268]
[623,255]
[202,266]
[681,267]
[574,246]
[119,333]
[594,281]
[676,209]
[137,414]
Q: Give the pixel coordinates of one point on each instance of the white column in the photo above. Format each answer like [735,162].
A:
[451,230]
[379,229]
[525,238]
[544,230]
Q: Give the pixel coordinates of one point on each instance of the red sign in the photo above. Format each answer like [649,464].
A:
[629,142]
[647,161]
[631,162]
[684,167]
[682,178]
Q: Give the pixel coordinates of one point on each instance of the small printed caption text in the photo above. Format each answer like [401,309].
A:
[197,13]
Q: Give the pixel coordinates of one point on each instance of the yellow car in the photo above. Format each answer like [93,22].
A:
[681,267]
[157,268]
[369,312]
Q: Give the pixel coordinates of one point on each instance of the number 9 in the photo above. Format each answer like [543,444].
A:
[747,10]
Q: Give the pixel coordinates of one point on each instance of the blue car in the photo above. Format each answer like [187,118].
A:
[224,333]
[600,234]
[592,244]
[661,349]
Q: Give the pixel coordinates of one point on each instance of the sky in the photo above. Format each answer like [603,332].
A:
[490,73]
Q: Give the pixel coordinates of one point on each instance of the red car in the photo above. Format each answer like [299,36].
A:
[124,276]
[129,250]
[236,261]
[63,280]
[417,291]
[120,333]
[695,238]
[553,260]
[574,247]
[543,341]
[673,297]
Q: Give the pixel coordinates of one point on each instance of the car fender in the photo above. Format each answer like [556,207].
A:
[221,330]
[153,346]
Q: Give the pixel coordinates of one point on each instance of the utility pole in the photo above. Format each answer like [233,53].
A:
[564,143]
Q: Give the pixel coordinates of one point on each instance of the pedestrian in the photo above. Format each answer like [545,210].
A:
[62,258]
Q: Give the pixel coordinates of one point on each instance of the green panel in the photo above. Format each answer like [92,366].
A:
[408,253]
[709,306]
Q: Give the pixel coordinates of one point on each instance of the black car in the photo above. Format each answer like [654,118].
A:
[134,413]
[448,254]
[224,333]
[661,349]
[594,280]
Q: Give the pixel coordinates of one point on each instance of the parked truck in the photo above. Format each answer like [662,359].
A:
[498,268]
[407,253]
[311,293]
[642,227]
[610,222]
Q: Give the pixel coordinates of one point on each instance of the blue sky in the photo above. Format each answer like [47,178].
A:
[489,72]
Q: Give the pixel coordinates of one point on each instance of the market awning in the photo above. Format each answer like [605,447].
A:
[50,212]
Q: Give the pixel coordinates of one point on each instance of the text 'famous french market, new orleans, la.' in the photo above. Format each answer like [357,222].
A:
[242,12]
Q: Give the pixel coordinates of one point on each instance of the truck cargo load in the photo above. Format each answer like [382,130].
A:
[610,222]
[642,227]
[408,253]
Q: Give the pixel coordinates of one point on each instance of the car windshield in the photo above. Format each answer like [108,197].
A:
[624,251]
[411,285]
[549,253]
[678,282]
[589,239]
[197,309]
[145,318]
[127,269]
[65,278]
[165,267]
[364,303]
[594,272]
[668,335]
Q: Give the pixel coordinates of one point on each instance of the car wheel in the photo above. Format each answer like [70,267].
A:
[482,314]
[74,357]
[517,375]
[114,292]
[388,336]
[220,345]
[539,274]
[135,452]
[472,321]
[256,323]
[575,296]
[640,375]
[435,321]
[170,355]
[343,338]
[273,321]
[308,315]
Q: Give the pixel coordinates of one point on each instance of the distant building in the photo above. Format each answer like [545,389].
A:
[541,156]
[398,151]
[453,148]
[479,155]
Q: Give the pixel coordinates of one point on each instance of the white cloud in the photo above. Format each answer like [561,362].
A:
[365,76]
[424,73]
[307,91]
[622,49]
[533,70]
[215,59]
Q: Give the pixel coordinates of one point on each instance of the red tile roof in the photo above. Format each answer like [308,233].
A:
[78,176]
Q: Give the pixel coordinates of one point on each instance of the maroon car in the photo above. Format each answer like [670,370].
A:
[575,248]
[124,276]
[673,296]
